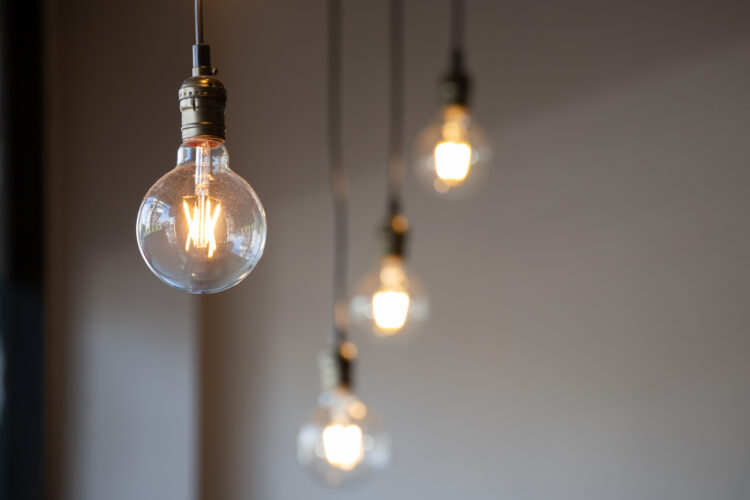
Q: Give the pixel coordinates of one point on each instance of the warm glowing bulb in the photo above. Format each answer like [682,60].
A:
[202,223]
[343,446]
[390,302]
[342,440]
[390,309]
[452,161]
[452,153]
[201,228]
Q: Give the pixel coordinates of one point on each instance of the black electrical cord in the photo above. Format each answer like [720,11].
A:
[199,22]
[395,140]
[458,13]
[456,85]
[338,178]
[201,51]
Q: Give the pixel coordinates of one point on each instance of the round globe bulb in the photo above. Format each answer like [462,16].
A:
[390,302]
[201,228]
[342,441]
[452,153]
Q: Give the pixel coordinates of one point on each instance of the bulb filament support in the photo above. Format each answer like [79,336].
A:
[201,220]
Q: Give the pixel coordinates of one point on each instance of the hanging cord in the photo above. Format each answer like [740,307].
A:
[458,12]
[201,51]
[336,369]
[456,84]
[395,142]
[338,178]
[198,22]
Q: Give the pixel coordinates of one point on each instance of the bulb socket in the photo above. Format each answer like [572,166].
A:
[394,232]
[203,102]
[336,366]
[455,87]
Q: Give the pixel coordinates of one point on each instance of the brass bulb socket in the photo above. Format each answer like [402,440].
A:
[203,102]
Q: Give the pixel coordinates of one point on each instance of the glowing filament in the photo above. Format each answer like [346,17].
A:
[390,309]
[452,161]
[343,446]
[201,224]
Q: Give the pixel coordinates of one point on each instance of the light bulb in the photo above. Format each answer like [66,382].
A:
[452,161]
[390,309]
[342,445]
[389,301]
[201,228]
[452,153]
[342,440]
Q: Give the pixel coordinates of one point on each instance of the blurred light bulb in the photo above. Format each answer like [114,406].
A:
[389,301]
[342,440]
[390,309]
[201,228]
[343,446]
[452,161]
[452,152]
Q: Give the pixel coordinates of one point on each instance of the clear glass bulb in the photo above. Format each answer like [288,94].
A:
[452,153]
[390,301]
[342,440]
[201,228]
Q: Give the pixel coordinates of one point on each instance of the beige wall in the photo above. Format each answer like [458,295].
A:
[122,371]
[590,330]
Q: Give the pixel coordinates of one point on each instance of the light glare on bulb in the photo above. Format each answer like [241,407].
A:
[452,161]
[202,224]
[389,302]
[343,446]
[342,440]
[390,310]
[452,153]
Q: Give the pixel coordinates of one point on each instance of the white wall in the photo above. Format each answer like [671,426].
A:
[590,330]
